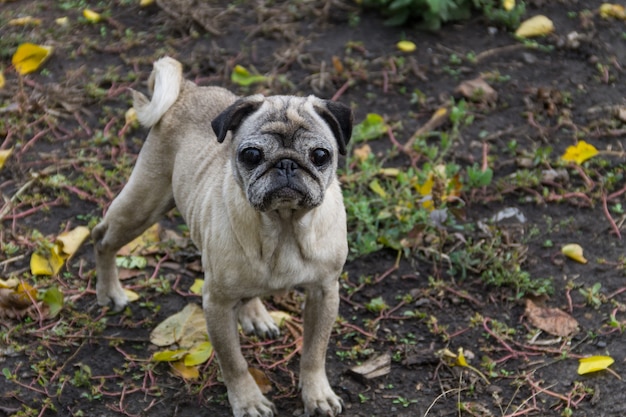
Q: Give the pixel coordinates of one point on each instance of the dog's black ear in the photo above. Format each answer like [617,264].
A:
[339,117]
[231,118]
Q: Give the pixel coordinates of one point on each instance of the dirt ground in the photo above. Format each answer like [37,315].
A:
[72,151]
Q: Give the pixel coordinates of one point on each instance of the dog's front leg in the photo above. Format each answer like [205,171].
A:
[244,395]
[320,312]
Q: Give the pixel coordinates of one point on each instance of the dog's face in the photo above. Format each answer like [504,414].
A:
[284,148]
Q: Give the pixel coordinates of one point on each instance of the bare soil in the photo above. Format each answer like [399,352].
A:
[86,362]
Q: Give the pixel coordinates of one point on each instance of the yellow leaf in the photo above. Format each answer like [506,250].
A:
[25,292]
[4,155]
[62,21]
[594,364]
[185,372]
[131,295]
[535,26]
[579,153]
[91,16]
[508,5]
[147,242]
[378,189]
[196,288]
[48,264]
[145,3]
[608,10]
[406,46]
[389,172]
[23,21]
[280,317]
[130,116]
[198,354]
[71,241]
[169,355]
[574,251]
[29,57]
[2,81]
[460,359]
[9,283]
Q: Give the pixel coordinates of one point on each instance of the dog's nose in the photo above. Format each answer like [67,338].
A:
[287,167]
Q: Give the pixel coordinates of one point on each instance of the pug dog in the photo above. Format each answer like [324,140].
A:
[255,180]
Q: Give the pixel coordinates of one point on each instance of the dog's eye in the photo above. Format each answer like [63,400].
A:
[251,156]
[320,156]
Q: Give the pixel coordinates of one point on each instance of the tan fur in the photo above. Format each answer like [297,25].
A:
[246,253]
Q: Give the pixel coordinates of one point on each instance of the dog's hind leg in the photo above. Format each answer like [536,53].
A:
[142,202]
[254,318]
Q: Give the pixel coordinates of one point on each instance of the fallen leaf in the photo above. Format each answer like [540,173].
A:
[262,381]
[4,155]
[337,64]
[144,244]
[131,295]
[145,3]
[196,288]
[550,320]
[9,283]
[53,298]
[579,153]
[608,10]
[29,57]
[362,153]
[130,116]
[372,127]
[374,367]
[26,20]
[535,26]
[47,263]
[460,358]
[91,16]
[62,21]
[243,77]
[169,355]
[2,82]
[187,327]
[71,240]
[478,90]
[280,317]
[198,354]
[574,251]
[594,364]
[406,46]
[378,189]
[185,372]
[508,5]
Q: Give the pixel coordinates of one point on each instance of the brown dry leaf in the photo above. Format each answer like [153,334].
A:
[264,383]
[377,366]
[478,90]
[184,371]
[550,320]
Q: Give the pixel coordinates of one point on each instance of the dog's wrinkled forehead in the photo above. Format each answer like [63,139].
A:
[287,117]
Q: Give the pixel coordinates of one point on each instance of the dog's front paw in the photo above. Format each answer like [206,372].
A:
[253,406]
[319,399]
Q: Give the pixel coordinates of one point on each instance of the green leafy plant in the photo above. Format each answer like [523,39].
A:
[433,13]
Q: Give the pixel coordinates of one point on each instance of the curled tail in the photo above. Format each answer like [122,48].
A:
[165,83]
